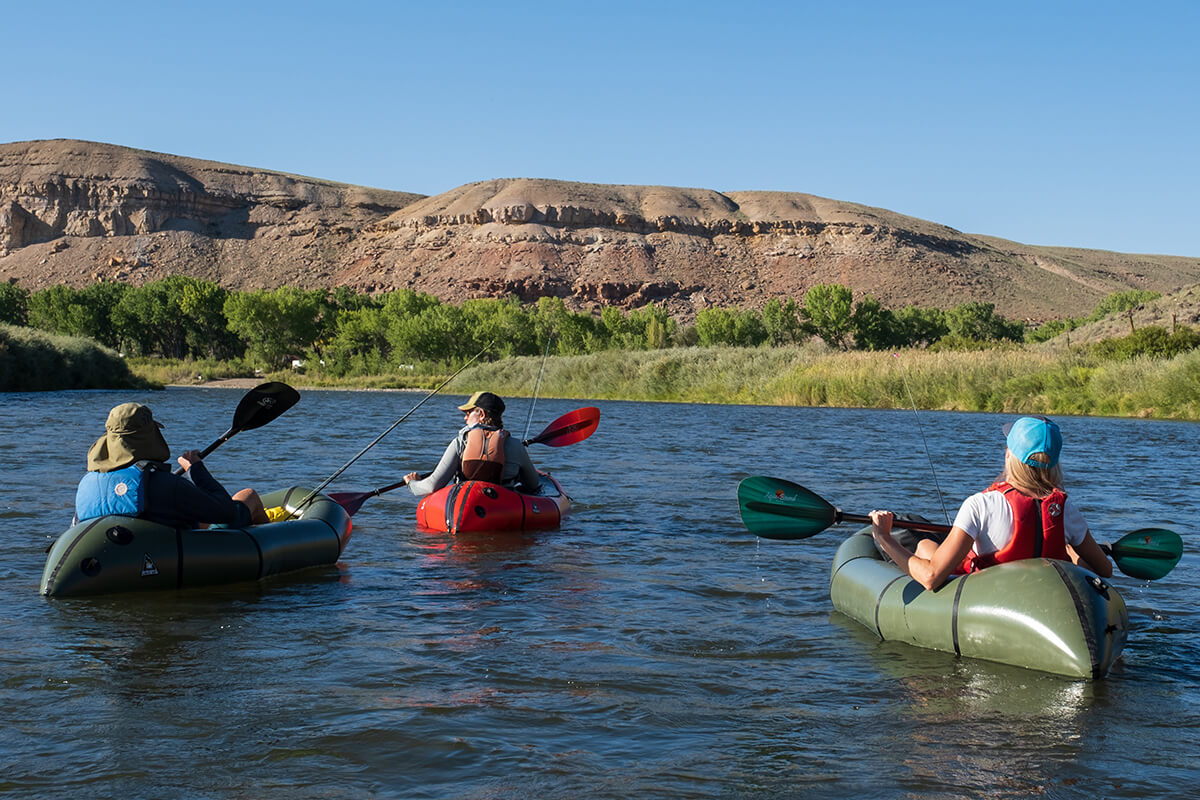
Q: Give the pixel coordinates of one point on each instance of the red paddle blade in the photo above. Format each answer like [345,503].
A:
[351,501]
[572,427]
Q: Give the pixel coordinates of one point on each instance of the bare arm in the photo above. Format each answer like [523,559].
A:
[1089,555]
[930,572]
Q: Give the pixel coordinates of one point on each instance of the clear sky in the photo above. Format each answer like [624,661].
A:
[1055,123]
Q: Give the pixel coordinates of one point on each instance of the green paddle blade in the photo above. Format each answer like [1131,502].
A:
[1149,553]
[777,509]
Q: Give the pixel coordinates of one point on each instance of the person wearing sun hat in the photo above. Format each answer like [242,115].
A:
[128,476]
[1024,514]
[482,450]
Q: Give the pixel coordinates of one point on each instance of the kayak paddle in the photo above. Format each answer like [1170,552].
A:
[352,501]
[572,427]
[774,508]
[260,405]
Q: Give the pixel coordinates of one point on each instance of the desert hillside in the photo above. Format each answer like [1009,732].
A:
[77,212]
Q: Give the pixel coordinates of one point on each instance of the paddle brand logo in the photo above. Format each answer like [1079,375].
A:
[148,567]
[266,401]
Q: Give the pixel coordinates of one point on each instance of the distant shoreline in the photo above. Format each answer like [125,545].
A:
[250,383]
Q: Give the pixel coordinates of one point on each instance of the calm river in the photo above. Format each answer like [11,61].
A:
[651,648]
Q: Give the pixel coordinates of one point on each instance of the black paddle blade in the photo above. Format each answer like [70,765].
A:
[777,509]
[1149,553]
[262,404]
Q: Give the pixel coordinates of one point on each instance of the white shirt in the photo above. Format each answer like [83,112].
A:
[988,519]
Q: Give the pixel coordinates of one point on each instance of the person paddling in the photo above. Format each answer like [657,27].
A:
[128,475]
[1026,514]
[482,450]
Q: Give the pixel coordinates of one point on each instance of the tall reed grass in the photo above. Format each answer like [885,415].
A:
[1009,380]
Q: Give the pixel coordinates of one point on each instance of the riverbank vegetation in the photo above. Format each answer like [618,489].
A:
[1011,380]
[32,360]
[825,349]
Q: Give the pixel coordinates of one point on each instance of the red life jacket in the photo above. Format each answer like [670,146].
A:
[483,454]
[1038,530]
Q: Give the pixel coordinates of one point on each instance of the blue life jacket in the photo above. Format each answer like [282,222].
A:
[120,492]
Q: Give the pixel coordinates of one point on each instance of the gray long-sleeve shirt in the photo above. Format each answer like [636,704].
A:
[519,472]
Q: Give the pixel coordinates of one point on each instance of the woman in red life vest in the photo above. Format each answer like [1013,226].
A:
[483,451]
[1026,514]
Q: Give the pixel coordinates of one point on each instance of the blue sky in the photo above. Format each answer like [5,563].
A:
[1055,123]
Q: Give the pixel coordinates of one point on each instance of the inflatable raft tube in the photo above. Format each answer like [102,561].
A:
[478,506]
[125,554]
[1036,613]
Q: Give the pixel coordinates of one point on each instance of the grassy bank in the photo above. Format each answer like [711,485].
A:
[32,360]
[1017,380]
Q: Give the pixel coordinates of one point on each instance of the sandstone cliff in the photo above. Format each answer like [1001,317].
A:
[75,212]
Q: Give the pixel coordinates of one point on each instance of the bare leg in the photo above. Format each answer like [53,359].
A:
[250,498]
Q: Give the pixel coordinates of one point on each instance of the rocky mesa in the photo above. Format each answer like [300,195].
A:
[76,212]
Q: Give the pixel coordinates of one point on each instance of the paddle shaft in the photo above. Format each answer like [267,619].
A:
[910,524]
[392,427]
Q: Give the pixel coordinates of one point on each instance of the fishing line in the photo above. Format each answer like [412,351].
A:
[377,439]
[904,377]
[537,383]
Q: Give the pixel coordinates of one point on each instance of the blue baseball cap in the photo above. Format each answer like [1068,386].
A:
[1030,435]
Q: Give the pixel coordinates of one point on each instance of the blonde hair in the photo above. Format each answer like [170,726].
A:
[1032,481]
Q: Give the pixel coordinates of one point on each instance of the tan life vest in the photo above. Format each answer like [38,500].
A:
[483,454]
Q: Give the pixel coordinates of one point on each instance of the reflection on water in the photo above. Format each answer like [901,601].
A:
[649,648]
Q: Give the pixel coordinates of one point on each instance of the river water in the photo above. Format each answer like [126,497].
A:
[650,648]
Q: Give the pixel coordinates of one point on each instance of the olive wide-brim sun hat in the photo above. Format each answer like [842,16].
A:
[131,434]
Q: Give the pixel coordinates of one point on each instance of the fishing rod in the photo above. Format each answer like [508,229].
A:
[411,411]
[536,384]
[928,457]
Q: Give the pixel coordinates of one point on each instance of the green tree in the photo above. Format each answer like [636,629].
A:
[201,305]
[1120,302]
[916,327]
[502,324]
[979,322]
[360,344]
[177,317]
[86,312]
[275,324]
[647,328]
[781,318]
[725,326]
[659,327]
[874,327]
[571,334]
[828,313]
[14,304]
